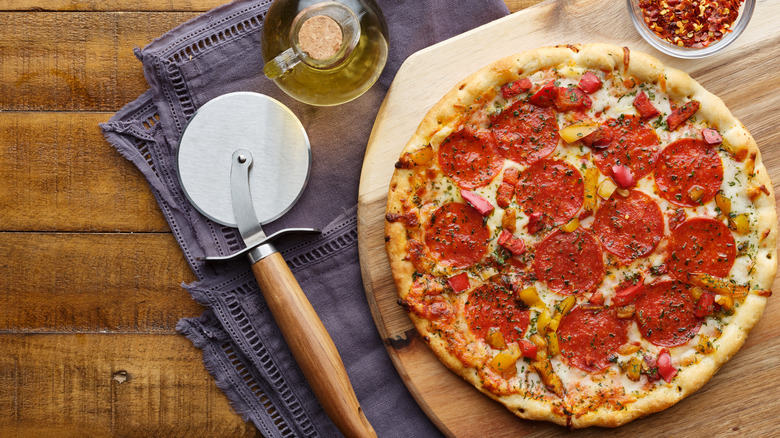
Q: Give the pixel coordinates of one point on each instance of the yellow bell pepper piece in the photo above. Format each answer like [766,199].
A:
[576,131]
[505,359]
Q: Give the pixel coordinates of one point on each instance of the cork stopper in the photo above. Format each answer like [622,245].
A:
[320,37]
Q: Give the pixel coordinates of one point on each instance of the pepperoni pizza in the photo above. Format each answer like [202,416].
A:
[582,233]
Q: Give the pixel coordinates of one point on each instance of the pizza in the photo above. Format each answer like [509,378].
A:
[582,233]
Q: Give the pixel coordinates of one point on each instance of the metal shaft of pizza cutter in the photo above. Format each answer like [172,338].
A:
[309,341]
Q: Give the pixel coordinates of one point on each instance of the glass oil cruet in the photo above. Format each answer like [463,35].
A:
[324,53]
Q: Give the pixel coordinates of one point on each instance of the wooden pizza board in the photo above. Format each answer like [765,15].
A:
[741,398]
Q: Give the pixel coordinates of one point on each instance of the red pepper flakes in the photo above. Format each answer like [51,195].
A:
[690,23]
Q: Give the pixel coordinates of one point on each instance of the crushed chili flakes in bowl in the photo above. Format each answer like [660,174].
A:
[689,23]
[690,28]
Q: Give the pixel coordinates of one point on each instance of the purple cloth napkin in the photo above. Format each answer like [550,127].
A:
[243,350]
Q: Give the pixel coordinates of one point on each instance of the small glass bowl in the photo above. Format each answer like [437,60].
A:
[745,12]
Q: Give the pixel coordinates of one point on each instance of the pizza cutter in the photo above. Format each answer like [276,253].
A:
[244,160]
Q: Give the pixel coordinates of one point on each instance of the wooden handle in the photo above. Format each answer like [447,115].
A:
[311,345]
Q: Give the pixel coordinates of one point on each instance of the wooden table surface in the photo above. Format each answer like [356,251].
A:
[90,273]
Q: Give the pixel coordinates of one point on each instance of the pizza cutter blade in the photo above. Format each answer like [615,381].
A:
[244,160]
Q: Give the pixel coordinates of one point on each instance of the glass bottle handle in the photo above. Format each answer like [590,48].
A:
[283,63]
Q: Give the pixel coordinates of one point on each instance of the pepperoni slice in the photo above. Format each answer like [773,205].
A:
[492,306]
[525,133]
[457,235]
[683,166]
[634,145]
[665,314]
[570,263]
[588,337]
[629,227]
[470,158]
[553,188]
[700,245]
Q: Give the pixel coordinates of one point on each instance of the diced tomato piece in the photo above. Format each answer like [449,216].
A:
[599,138]
[665,367]
[682,113]
[515,88]
[459,282]
[483,206]
[504,194]
[644,107]
[623,176]
[527,348]
[589,83]
[627,295]
[535,223]
[711,136]
[511,175]
[506,189]
[705,305]
[572,98]
[597,299]
[546,95]
[511,243]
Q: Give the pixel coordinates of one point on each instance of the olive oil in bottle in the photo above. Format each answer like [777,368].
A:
[324,53]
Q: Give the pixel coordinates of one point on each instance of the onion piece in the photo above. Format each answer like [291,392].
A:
[711,136]
[483,206]
[623,176]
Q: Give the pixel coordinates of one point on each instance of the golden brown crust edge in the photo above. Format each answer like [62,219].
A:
[679,86]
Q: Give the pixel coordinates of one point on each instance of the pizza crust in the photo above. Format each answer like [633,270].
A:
[446,114]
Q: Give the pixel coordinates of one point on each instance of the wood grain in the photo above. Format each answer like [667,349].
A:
[152,5]
[118,5]
[102,385]
[90,290]
[75,61]
[738,75]
[82,184]
[93,283]
[312,346]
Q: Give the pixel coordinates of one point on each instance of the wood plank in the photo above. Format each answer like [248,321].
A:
[101,385]
[62,175]
[75,60]
[152,5]
[83,60]
[65,282]
[119,5]
[736,76]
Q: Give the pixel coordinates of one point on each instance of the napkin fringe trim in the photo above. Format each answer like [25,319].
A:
[225,363]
